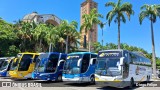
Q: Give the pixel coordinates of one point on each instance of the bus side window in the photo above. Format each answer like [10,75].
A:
[63,57]
[54,59]
[93,56]
[134,59]
[85,63]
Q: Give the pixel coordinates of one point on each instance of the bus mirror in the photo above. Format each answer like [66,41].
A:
[121,61]
[79,62]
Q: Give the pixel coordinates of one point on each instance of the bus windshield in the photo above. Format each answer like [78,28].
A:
[40,57]
[108,67]
[41,65]
[70,66]
[25,62]
[4,65]
[48,64]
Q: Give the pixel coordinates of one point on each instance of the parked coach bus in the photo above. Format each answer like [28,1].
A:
[50,67]
[121,68]
[80,67]
[6,65]
[24,66]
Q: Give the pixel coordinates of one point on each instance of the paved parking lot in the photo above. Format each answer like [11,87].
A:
[67,86]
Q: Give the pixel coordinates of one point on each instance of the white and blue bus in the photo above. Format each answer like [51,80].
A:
[50,67]
[80,67]
[122,68]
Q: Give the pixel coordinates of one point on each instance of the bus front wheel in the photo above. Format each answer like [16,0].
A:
[59,79]
[92,79]
[131,83]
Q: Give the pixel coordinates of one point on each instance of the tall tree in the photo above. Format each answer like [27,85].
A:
[68,29]
[151,12]
[117,12]
[90,20]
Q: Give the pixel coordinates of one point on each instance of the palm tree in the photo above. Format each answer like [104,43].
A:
[39,33]
[68,29]
[90,20]
[151,12]
[117,12]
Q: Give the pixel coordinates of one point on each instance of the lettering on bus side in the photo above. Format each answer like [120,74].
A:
[110,54]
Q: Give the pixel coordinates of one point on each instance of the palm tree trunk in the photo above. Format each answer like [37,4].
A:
[102,38]
[153,51]
[119,34]
[67,45]
[40,45]
[90,41]
[50,47]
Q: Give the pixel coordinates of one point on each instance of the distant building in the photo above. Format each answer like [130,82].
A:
[86,7]
[44,18]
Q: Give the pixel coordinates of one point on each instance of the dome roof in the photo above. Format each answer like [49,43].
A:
[30,16]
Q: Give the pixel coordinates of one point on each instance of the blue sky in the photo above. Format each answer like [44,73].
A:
[132,32]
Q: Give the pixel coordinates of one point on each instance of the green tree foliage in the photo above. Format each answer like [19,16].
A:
[8,39]
[32,37]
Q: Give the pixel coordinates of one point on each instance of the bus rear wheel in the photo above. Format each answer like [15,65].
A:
[148,78]
[92,80]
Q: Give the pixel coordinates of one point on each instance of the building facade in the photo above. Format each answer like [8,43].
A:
[86,7]
[43,18]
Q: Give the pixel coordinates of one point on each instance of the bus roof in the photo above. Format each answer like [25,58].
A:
[137,53]
[29,53]
[81,53]
[54,53]
[113,50]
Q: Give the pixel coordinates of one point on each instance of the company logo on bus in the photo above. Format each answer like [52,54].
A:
[72,57]
[109,54]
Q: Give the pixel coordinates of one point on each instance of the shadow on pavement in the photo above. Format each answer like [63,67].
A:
[80,84]
[15,79]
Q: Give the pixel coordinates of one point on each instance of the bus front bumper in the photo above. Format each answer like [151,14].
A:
[75,79]
[19,75]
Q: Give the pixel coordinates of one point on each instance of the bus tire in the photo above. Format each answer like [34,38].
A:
[92,78]
[149,78]
[59,78]
[131,83]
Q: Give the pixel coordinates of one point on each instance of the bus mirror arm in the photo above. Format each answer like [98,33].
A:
[79,61]
[60,62]
[121,61]
[91,62]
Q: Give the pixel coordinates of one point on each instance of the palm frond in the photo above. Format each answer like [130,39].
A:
[123,18]
[145,6]
[110,16]
[142,15]
[110,4]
